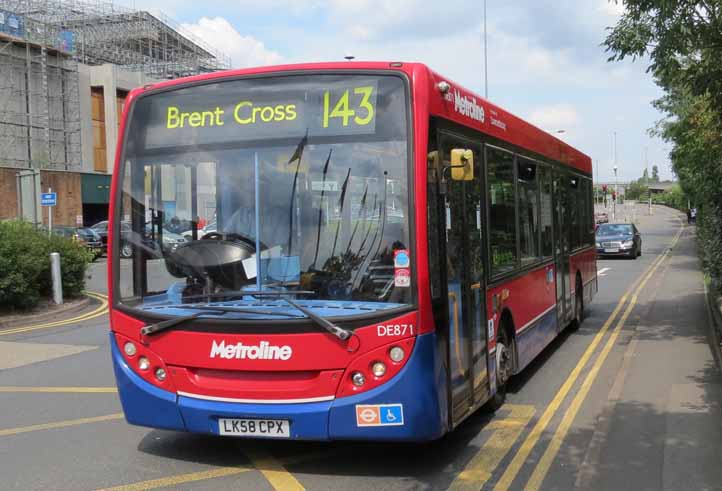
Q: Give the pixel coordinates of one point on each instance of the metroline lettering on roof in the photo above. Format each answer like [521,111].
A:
[262,351]
[468,107]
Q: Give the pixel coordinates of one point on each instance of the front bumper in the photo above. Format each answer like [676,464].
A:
[419,388]
[621,252]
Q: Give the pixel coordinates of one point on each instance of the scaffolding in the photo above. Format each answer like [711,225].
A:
[41,44]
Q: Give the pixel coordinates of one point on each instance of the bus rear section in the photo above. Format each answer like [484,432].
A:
[296,315]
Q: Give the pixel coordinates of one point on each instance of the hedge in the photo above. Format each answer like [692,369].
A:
[709,233]
[25,265]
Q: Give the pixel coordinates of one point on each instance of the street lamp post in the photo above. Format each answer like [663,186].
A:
[616,194]
[486,59]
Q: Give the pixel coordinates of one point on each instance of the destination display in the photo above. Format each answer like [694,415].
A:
[245,110]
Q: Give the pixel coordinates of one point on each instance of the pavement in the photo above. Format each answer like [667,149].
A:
[631,400]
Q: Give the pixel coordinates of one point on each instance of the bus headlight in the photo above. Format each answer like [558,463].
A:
[145,363]
[378,369]
[374,368]
[160,374]
[397,354]
[358,379]
[129,349]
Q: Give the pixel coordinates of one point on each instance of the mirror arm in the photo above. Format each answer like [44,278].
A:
[442,182]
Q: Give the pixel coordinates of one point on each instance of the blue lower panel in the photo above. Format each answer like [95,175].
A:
[416,388]
[419,388]
[535,338]
[143,403]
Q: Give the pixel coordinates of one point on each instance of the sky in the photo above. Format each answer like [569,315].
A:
[545,59]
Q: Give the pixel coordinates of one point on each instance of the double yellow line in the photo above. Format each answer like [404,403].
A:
[552,450]
[84,317]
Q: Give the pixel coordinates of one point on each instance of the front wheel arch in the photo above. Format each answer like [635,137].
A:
[505,335]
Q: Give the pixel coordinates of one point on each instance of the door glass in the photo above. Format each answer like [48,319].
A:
[474,224]
[465,286]
[455,235]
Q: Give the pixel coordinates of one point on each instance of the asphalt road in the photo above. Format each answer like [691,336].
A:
[630,401]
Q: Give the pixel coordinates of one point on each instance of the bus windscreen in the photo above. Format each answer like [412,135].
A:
[283,184]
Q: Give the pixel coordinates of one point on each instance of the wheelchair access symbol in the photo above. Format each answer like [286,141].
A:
[380,415]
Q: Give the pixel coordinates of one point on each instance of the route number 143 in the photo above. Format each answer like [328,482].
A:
[360,111]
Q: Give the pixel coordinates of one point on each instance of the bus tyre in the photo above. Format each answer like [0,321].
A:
[504,368]
[126,250]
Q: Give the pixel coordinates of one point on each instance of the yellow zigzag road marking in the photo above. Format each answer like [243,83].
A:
[542,468]
[479,469]
[60,424]
[531,440]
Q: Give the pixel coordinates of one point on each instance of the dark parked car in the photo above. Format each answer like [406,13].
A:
[86,236]
[150,244]
[101,228]
[619,239]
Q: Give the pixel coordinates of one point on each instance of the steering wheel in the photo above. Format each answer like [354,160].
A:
[220,258]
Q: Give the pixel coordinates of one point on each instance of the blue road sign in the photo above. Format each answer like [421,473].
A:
[48,199]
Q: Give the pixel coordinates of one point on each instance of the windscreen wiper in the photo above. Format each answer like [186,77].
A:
[167,324]
[203,310]
[340,333]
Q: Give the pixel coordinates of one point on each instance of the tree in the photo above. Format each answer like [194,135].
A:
[635,190]
[683,41]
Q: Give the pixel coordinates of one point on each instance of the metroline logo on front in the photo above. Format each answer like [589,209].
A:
[240,351]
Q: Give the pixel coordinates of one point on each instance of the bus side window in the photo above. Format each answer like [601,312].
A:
[502,210]
[528,191]
[546,212]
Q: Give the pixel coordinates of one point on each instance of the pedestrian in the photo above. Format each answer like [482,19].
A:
[693,214]
[689,215]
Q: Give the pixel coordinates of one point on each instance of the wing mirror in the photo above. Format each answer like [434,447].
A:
[462,164]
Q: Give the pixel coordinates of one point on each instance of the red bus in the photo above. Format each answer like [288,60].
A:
[383,251]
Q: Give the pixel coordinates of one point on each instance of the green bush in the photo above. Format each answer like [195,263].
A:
[25,265]
[709,231]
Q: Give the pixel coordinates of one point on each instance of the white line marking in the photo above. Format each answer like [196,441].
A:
[602,271]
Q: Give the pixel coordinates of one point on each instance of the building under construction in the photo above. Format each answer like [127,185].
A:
[65,69]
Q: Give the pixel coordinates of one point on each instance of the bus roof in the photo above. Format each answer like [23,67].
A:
[456,103]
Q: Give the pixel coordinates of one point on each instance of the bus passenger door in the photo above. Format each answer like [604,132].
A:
[465,284]
[561,248]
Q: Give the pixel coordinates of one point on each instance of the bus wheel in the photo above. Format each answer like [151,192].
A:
[504,368]
[126,250]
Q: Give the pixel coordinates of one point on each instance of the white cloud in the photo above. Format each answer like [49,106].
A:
[612,8]
[555,117]
[244,51]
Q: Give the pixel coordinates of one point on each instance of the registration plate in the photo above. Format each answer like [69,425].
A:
[266,428]
[611,250]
